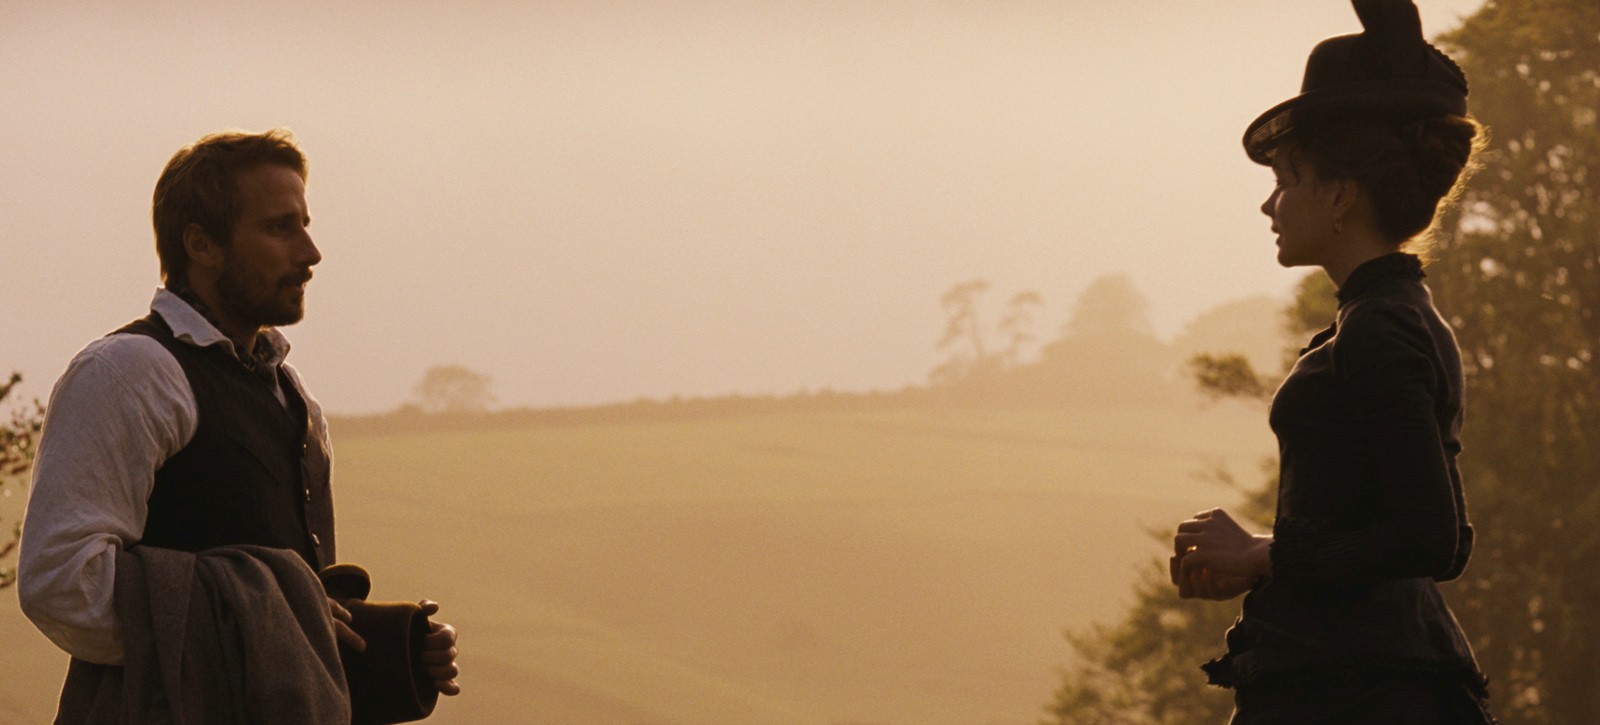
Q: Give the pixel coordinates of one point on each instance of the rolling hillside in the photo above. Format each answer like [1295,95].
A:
[871,565]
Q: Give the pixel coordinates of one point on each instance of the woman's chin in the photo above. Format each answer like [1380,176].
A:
[1287,258]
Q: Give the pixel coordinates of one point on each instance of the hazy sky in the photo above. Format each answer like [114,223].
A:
[595,201]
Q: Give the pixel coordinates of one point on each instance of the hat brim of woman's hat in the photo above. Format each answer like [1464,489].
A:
[1390,100]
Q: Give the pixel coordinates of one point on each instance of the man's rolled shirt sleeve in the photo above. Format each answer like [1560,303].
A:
[122,408]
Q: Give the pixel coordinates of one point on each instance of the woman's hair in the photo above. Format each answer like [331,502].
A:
[1412,169]
[198,187]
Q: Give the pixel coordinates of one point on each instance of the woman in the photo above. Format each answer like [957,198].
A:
[1343,622]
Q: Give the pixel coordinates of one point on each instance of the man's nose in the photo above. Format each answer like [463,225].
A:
[309,254]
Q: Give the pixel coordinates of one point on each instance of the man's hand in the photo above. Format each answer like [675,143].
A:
[439,652]
[341,626]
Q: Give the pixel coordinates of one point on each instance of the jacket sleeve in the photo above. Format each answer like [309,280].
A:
[119,411]
[1390,378]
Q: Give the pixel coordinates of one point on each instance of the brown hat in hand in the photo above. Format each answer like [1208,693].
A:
[1389,71]
[388,682]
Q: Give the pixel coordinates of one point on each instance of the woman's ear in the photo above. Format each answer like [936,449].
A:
[1344,197]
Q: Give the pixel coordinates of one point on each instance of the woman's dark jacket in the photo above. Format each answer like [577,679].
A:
[1370,509]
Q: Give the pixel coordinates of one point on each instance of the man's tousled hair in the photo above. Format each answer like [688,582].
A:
[198,186]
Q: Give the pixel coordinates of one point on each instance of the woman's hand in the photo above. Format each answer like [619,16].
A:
[1203,583]
[1215,558]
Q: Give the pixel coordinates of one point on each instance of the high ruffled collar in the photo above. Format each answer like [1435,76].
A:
[1397,265]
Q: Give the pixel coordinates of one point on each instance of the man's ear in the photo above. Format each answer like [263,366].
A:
[201,247]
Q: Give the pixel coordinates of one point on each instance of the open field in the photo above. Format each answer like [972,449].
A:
[893,566]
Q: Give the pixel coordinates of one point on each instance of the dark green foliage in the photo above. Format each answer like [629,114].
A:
[1228,376]
[18,437]
[1145,669]
[1520,278]
[1314,306]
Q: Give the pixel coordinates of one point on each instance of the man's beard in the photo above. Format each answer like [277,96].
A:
[254,300]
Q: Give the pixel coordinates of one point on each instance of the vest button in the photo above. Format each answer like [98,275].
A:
[308,495]
[316,540]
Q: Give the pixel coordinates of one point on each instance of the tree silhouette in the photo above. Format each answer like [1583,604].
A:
[1107,350]
[1111,307]
[963,333]
[1231,375]
[18,438]
[1521,278]
[1520,281]
[1144,670]
[1250,326]
[454,389]
[1017,325]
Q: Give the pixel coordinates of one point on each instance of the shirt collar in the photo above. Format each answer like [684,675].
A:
[1373,272]
[192,327]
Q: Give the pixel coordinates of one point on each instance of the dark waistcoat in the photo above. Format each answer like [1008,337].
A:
[253,473]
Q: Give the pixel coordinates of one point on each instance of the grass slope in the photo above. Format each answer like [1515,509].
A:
[900,565]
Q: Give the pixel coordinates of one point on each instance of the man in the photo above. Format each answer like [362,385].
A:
[186,430]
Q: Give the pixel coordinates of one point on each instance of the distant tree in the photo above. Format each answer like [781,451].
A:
[963,333]
[1248,326]
[1107,351]
[1017,326]
[454,389]
[1315,305]
[1111,307]
[1520,277]
[1520,281]
[1232,375]
[18,438]
[1228,376]
[1144,670]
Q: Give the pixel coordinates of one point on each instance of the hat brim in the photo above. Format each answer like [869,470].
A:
[1390,100]
[387,681]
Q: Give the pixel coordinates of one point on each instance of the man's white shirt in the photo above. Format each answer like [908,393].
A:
[121,409]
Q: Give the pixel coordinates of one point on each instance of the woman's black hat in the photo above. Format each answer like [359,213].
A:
[1389,71]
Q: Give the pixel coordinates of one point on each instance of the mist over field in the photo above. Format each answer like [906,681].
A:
[592,202]
[899,557]
[871,564]
[813,363]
